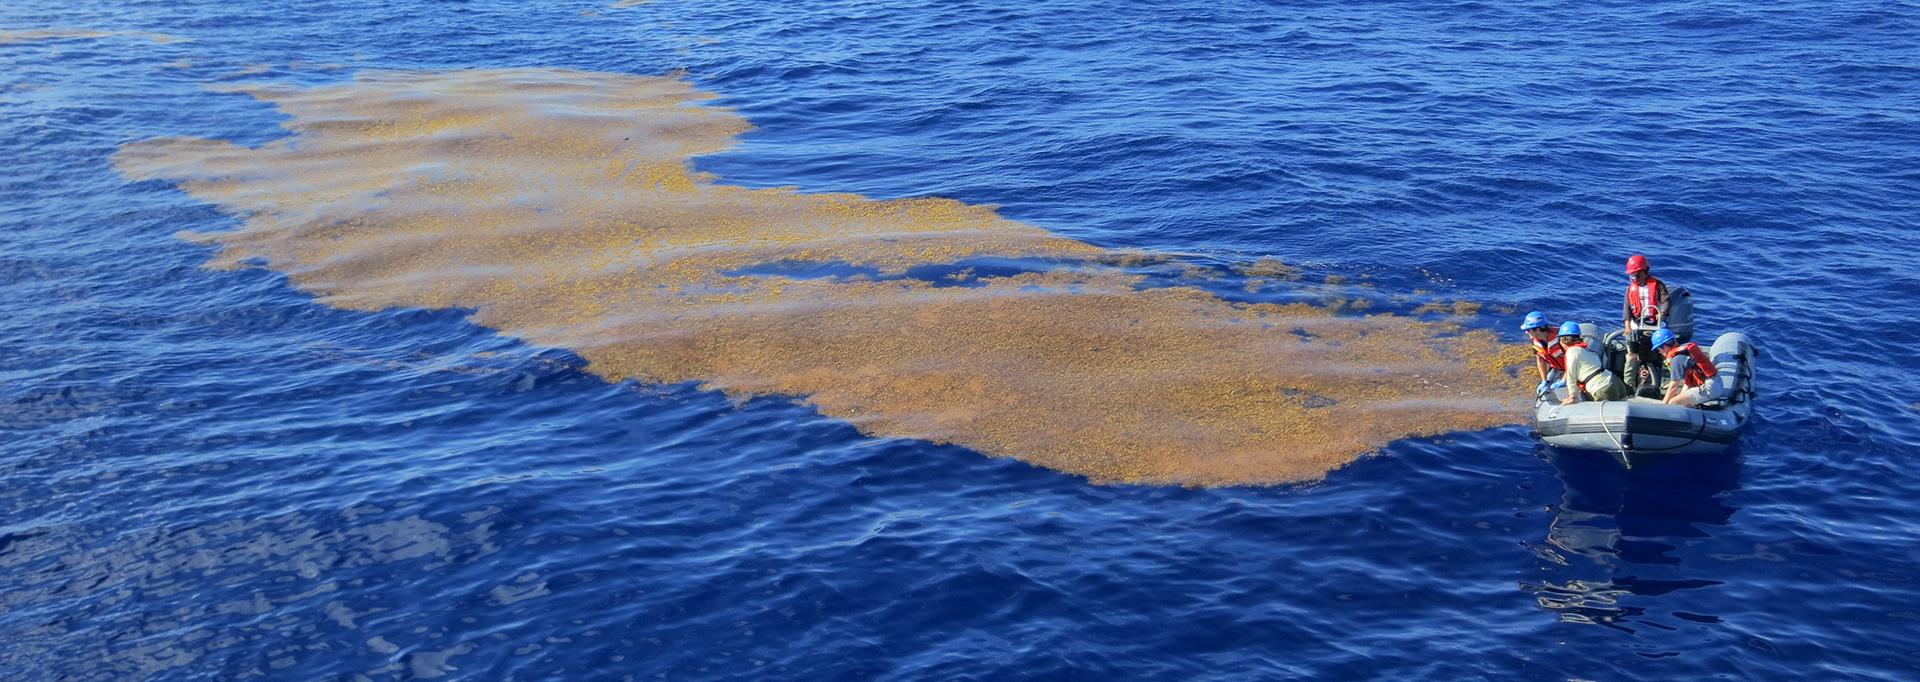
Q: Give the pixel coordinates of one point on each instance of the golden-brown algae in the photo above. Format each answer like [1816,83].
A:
[15,36]
[562,208]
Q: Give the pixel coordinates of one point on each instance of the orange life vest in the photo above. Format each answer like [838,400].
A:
[1555,355]
[1643,303]
[1700,369]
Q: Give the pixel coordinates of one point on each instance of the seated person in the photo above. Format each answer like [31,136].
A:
[1587,379]
[1691,369]
[1548,356]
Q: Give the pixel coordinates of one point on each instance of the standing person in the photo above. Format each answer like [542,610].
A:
[1644,312]
[1691,369]
[1548,356]
[1587,379]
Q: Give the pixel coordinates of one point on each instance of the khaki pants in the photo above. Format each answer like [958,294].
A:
[1612,389]
[1640,353]
[1606,386]
[1704,393]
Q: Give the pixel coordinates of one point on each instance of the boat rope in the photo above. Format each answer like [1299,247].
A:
[1603,427]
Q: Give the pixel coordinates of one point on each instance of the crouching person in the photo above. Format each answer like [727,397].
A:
[1548,356]
[1587,378]
[1691,369]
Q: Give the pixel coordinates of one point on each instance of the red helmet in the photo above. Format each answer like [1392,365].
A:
[1637,263]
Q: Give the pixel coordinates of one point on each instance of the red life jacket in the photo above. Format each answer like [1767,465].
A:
[1555,355]
[1643,303]
[1700,369]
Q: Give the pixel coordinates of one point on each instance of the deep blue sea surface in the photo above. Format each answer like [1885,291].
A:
[204,475]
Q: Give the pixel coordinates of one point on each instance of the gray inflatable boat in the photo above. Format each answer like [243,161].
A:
[1642,425]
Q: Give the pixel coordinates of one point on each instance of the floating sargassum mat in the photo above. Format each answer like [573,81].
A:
[561,206]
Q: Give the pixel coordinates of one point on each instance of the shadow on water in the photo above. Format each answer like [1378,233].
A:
[1616,519]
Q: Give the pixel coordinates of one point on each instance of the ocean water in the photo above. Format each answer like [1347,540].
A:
[212,474]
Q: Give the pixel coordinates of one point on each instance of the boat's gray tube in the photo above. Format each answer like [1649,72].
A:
[1646,425]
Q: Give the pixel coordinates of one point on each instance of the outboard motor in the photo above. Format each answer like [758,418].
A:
[1680,313]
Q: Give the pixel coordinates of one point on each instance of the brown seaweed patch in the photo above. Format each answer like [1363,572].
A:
[1456,308]
[562,207]
[1270,268]
[16,36]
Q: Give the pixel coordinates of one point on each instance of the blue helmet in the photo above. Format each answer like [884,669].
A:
[1534,320]
[1662,336]
[1570,328]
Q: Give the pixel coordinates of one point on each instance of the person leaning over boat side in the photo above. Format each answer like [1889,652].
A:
[1548,356]
[1644,312]
[1690,368]
[1587,379]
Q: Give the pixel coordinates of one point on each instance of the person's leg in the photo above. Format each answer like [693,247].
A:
[1638,345]
[1607,387]
[1656,364]
[1707,392]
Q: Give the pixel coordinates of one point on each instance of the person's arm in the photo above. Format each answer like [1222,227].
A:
[1676,369]
[1626,311]
[1664,308]
[1540,363]
[1573,368]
